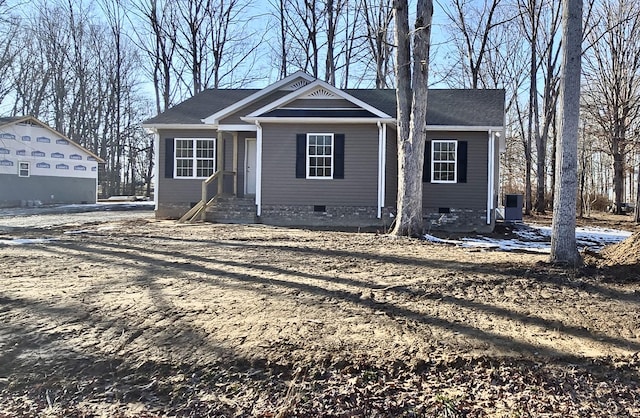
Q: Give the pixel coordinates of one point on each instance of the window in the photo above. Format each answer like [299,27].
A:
[444,161]
[23,169]
[320,156]
[195,158]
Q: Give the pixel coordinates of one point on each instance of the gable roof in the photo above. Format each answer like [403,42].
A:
[446,107]
[6,121]
[317,86]
[299,78]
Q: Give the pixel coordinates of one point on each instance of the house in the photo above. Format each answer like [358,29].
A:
[41,166]
[301,152]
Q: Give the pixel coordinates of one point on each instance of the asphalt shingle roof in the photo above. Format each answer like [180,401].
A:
[449,107]
[200,106]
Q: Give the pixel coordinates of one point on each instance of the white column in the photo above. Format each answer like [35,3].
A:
[156,165]
[258,168]
[382,164]
[490,174]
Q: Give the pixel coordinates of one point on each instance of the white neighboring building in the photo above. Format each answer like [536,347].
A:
[38,165]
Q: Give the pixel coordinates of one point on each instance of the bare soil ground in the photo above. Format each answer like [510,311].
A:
[146,318]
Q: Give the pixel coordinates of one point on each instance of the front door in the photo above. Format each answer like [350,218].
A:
[250,166]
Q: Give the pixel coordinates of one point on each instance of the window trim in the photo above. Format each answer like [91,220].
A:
[434,161]
[194,158]
[20,169]
[308,156]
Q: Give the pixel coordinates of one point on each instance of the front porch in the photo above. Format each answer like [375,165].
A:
[228,195]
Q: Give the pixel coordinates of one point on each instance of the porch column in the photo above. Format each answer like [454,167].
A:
[220,161]
[258,168]
[235,164]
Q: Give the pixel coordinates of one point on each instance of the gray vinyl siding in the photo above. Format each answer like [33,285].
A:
[281,187]
[320,104]
[180,190]
[234,118]
[46,189]
[469,195]
[391,188]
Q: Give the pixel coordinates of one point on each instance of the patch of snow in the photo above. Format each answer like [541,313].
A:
[537,239]
[437,240]
[25,241]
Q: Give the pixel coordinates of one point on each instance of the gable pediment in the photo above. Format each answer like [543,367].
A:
[317,100]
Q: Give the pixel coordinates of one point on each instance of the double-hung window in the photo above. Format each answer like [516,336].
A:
[444,161]
[320,156]
[195,157]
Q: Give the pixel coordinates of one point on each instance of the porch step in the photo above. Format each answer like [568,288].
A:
[232,210]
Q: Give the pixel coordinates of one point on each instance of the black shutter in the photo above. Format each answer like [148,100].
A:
[426,167]
[462,162]
[338,152]
[301,156]
[168,158]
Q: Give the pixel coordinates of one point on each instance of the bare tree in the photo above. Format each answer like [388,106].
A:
[563,229]
[474,24]
[156,33]
[412,71]
[8,31]
[378,17]
[612,74]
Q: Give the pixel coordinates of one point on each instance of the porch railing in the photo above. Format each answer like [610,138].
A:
[199,211]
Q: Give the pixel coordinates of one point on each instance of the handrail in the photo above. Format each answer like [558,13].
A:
[201,207]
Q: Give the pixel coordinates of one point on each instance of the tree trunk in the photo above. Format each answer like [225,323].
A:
[563,229]
[636,214]
[412,113]
[618,180]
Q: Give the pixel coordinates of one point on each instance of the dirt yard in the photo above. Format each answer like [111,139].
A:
[146,318]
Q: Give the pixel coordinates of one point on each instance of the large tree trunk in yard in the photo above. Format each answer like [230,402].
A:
[618,180]
[563,228]
[636,213]
[412,113]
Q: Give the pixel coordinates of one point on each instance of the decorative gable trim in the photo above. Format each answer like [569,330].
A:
[287,81]
[296,85]
[320,94]
[308,91]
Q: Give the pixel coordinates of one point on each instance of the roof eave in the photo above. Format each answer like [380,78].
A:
[189,126]
[316,120]
[460,128]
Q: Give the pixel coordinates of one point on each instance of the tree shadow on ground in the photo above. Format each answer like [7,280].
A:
[115,376]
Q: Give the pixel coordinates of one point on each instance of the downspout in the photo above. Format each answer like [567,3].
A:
[258,168]
[381,162]
[490,174]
